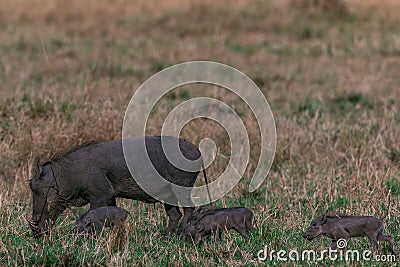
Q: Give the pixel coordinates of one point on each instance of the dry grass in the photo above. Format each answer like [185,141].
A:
[68,71]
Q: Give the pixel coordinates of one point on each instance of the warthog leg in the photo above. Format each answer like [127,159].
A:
[187,213]
[388,239]
[174,215]
[373,239]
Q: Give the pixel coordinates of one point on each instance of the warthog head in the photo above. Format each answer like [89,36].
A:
[44,194]
[83,226]
[316,227]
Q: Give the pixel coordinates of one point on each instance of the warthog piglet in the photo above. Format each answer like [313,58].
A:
[207,222]
[345,227]
[95,220]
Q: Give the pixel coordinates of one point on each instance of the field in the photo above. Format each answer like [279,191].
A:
[330,71]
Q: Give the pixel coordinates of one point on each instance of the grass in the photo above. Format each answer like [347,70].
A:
[331,78]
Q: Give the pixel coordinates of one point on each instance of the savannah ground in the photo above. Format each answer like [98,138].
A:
[331,74]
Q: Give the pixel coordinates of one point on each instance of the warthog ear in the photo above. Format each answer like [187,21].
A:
[324,219]
[38,167]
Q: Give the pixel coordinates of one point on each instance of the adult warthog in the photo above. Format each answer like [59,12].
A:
[97,173]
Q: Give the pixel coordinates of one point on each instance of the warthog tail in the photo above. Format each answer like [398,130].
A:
[206,180]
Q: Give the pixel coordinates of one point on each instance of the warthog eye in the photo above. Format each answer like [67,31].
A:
[314,224]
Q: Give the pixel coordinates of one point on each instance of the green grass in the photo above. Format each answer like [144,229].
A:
[144,243]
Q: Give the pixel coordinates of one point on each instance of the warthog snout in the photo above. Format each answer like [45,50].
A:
[315,229]
[307,236]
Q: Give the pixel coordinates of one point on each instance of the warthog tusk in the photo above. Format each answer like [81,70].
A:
[32,223]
